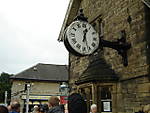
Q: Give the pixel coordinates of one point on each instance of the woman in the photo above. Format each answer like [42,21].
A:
[93,108]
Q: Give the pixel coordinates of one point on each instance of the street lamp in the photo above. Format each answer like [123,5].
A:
[64,93]
[64,89]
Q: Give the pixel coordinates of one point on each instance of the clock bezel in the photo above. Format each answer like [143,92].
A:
[71,49]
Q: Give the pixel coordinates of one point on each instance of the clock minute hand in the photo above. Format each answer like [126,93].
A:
[84,38]
[84,35]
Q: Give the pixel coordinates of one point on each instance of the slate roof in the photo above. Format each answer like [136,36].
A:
[98,71]
[44,72]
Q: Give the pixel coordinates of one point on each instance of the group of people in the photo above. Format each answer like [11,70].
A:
[14,107]
[76,104]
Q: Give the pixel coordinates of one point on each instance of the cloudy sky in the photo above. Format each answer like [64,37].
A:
[28,33]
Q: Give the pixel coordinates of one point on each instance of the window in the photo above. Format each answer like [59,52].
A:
[104,99]
[106,103]
[105,93]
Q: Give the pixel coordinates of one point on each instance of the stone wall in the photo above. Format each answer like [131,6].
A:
[132,95]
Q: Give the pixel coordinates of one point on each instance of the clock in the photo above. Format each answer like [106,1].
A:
[80,38]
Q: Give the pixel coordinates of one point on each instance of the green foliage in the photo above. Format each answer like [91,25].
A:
[5,85]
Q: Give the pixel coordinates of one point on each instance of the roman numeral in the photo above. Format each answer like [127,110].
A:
[74,41]
[84,25]
[72,35]
[78,25]
[94,39]
[78,46]
[93,33]
[74,28]
[89,27]
[93,44]
[89,48]
[83,48]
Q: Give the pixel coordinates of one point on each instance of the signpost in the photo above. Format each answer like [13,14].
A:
[5,98]
[27,99]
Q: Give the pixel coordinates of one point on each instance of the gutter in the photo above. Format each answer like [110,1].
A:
[146,2]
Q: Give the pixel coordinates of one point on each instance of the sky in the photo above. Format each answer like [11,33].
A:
[29,30]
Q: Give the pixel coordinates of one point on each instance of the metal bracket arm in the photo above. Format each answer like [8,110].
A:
[120,45]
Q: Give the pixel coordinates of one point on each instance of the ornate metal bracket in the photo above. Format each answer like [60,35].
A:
[120,45]
[80,16]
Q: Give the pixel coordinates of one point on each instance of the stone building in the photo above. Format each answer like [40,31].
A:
[101,77]
[45,81]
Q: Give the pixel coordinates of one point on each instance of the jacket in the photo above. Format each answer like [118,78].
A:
[13,112]
[56,109]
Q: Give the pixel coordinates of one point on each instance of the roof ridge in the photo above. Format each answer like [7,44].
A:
[53,64]
[25,70]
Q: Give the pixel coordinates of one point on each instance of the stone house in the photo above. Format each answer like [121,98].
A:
[45,81]
[101,78]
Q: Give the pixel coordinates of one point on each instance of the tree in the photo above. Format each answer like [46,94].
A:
[5,85]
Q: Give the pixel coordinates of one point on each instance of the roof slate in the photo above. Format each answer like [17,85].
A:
[44,72]
[99,71]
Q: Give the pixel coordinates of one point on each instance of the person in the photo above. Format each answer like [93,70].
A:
[62,107]
[93,108]
[35,109]
[139,111]
[76,104]
[15,107]
[9,108]
[53,103]
[66,109]
[3,109]
[44,108]
[146,108]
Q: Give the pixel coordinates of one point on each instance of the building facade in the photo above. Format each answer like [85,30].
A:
[44,81]
[101,77]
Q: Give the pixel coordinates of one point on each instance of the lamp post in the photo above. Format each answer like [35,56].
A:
[5,98]
[64,93]
[64,89]
[27,97]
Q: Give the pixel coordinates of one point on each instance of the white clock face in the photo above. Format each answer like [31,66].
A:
[82,37]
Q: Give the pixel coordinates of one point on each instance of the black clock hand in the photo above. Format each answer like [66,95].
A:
[84,38]
[84,35]
[86,44]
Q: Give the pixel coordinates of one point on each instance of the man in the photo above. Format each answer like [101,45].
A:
[53,103]
[3,109]
[76,104]
[93,108]
[15,107]
[9,108]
